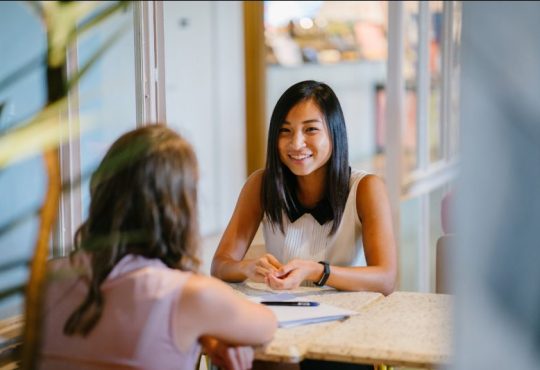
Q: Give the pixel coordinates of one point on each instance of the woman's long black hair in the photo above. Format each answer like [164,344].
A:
[279,183]
[143,202]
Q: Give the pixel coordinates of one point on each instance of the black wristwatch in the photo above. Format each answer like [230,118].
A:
[325,275]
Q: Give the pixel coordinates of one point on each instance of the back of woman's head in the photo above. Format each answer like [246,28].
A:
[143,202]
[143,199]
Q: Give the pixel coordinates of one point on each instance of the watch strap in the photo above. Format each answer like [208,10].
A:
[325,275]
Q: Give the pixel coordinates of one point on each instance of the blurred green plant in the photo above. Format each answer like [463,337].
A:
[64,22]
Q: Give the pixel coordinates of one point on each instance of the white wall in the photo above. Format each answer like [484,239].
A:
[204,68]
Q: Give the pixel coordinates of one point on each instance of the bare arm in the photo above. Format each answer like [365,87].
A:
[374,212]
[210,308]
[228,263]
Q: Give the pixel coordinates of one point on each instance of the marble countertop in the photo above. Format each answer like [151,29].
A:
[292,344]
[403,329]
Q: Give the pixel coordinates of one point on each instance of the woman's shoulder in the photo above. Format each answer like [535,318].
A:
[371,189]
[253,184]
[356,177]
[256,177]
[77,264]
[357,174]
[205,291]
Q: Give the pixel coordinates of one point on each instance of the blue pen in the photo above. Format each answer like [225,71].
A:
[290,303]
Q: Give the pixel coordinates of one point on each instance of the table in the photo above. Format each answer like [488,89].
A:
[403,329]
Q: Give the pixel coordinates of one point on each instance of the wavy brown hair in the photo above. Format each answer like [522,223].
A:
[143,202]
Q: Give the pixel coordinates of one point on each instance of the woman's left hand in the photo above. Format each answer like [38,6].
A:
[229,357]
[291,275]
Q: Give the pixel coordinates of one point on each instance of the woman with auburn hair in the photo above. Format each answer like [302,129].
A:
[129,296]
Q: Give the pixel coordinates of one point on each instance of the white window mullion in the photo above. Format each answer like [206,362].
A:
[70,205]
[423,96]
[395,113]
[446,73]
[149,62]
[423,86]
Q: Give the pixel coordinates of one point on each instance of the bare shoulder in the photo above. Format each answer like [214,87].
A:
[257,175]
[254,181]
[370,184]
[371,192]
[203,291]
[251,192]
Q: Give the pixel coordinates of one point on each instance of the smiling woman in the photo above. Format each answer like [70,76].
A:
[323,222]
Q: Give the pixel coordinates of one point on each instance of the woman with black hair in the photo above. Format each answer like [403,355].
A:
[129,297]
[323,222]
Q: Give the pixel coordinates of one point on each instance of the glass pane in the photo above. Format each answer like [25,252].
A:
[22,184]
[410,238]
[342,43]
[408,244]
[106,93]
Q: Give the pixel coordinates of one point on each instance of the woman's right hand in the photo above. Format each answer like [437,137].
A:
[258,269]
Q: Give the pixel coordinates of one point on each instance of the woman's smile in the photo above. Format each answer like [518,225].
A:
[300,157]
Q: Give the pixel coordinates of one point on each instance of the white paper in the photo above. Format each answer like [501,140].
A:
[290,316]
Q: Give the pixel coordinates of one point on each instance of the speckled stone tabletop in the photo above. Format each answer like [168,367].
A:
[403,329]
[291,344]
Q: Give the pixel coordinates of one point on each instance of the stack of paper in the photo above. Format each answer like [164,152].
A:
[289,316]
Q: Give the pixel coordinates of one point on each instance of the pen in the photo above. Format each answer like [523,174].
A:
[290,303]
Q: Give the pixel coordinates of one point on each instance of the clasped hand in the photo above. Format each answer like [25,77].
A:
[228,357]
[269,270]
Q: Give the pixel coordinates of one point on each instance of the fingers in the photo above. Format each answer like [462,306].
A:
[289,276]
[265,265]
[246,357]
[285,270]
[239,358]
[269,262]
[226,356]
[273,261]
[274,282]
[232,360]
[290,281]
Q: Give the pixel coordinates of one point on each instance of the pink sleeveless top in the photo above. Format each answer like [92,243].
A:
[135,328]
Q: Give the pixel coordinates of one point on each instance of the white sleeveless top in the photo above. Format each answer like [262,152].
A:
[306,239]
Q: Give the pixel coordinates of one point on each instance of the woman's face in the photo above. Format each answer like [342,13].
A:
[304,143]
